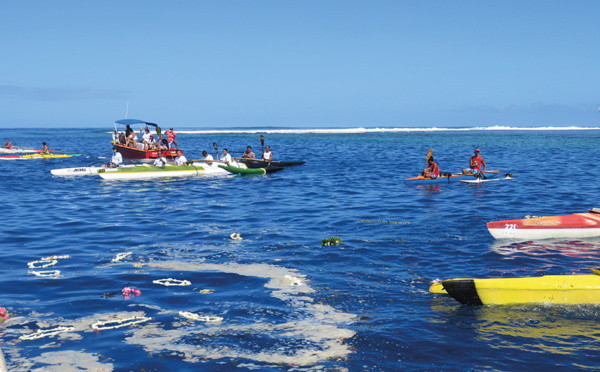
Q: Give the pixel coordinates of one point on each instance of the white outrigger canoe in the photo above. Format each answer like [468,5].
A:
[147,171]
[89,170]
[16,150]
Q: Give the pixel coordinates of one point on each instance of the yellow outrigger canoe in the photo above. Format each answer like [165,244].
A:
[37,156]
[550,289]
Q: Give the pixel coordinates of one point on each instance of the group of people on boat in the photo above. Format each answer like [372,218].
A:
[129,138]
[477,166]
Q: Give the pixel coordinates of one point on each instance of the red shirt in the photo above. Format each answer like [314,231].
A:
[476,162]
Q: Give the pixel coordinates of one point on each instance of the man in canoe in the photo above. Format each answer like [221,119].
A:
[268,155]
[7,145]
[160,161]
[475,163]
[432,170]
[45,150]
[116,159]
[206,157]
[180,159]
[248,154]
[226,157]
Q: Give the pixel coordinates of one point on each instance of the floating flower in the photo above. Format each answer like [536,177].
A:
[3,314]
[128,291]
[236,236]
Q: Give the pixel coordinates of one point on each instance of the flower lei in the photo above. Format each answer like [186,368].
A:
[128,291]
[46,333]
[204,318]
[100,326]
[172,282]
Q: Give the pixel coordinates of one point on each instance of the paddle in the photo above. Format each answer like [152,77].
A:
[429,153]
[216,149]
[596,271]
[262,143]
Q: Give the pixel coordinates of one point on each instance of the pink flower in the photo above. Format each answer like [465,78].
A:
[126,291]
[137,292]
[3,314]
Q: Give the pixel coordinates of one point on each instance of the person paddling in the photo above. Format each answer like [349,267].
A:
[475,165]
[45,150]
[432,170]
[7,145]
[268,155]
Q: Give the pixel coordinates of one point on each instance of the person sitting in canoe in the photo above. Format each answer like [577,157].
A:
[432,170]
[248,154]
[116,159]
[207,156]
[475,163]
[226,157]
[180,159]
[268,155]
[160,161]
[45,150]
[7,145]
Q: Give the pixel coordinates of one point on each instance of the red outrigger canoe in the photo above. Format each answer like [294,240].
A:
[577,225]
[445,178]
[139,152]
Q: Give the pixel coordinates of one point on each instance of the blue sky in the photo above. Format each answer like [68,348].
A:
[314,64]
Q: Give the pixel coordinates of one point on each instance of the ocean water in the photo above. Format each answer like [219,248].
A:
[277,299]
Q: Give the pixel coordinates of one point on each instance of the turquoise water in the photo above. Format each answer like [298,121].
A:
[287,302]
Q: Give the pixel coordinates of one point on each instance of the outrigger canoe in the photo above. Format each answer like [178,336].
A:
[578,225]
[37,156]
[446,178]
[147,171]
[548,289]
[84,171]
[243,170]
[258,163]
[17,150]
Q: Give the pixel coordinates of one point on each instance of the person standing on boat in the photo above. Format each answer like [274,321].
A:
[160,161]
[248,154]
[475,163]
[226,157]
[180,159]
[45,150]
[432,170]
[206,157]
[146,139]
[267,155]
[7,145]
[171,138]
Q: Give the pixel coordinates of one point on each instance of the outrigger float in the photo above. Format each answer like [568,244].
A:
[548,289]
[577,225]
[446,177]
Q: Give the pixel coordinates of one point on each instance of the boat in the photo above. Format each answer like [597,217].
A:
[577,225]
[139,152]
[446,177]
[37,156]
[248,170]
[259,163]
[548,289]
[16,150]
[147,171]
[89,170]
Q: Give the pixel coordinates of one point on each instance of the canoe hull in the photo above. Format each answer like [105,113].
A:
[257,163]
[36,156]
[134,153]
[578,225]
[549,289]
[454,177]
[151,171]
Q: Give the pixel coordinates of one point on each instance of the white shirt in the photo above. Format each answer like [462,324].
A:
[226,158]
[180,160]
[116,158]
[268,155]
[146,137]
[159,162]
[208,157]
